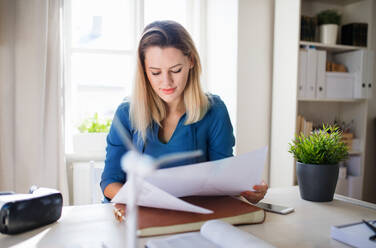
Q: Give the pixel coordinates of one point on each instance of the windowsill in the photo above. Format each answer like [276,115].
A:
[84,157]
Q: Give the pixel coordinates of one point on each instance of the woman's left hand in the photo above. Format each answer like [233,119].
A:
[257,195]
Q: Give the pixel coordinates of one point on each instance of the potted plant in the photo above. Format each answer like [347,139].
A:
[317,166]
[92,136]
[328,20]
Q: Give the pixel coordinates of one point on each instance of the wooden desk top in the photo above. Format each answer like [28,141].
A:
[94,225]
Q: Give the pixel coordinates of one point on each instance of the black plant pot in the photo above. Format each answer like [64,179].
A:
[317,182]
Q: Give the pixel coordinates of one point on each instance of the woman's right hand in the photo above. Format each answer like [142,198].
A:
[112,189]
[119,211]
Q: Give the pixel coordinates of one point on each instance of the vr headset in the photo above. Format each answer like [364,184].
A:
[23,212]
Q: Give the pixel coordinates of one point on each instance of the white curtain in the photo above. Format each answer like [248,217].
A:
[31,109]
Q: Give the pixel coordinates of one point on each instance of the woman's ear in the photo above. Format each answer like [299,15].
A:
[192,62]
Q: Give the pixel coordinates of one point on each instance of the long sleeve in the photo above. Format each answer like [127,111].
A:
[115,150]
[221,137]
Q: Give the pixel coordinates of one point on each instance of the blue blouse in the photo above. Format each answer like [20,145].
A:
[213,135]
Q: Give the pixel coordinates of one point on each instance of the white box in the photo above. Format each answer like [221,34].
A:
[356,145]
[339,85]
[354,166]
[361,63]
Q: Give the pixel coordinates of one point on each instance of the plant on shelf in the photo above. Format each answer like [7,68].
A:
[329,16]
[328,20]
[95,125]
[318,156]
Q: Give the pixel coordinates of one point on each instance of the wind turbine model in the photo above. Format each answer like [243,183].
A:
[138,166]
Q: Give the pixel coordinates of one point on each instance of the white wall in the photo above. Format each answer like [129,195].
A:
[255,47]
[285,71]
[239,66]
[255,56]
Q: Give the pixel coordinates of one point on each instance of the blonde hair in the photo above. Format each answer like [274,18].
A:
[146,106]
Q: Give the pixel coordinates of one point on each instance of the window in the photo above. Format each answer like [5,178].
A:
[100,47]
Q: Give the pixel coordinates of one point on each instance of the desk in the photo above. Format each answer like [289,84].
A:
[94,225]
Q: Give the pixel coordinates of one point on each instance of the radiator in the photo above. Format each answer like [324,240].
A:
[86,179]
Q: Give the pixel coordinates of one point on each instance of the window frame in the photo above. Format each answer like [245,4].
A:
[196,22]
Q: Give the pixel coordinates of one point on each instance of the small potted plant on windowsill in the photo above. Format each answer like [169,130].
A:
[317,166]
[92,136]
[329,21]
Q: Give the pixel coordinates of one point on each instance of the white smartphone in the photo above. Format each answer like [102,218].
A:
[274,208]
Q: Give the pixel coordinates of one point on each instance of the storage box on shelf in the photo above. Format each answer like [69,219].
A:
[359,62]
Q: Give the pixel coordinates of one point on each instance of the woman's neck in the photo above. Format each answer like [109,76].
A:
[177,107]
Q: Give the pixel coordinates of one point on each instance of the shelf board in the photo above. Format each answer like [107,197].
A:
[337,2]
[330,100]
[355,152]
[333,48]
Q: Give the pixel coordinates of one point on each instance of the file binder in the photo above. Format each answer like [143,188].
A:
[320,76]
[302,73]
[310,89]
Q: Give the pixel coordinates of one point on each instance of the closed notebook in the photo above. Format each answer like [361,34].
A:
[354,234]
[155,221]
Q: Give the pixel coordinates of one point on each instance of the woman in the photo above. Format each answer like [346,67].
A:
[168,111]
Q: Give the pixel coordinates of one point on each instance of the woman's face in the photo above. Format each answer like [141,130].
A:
[167,70]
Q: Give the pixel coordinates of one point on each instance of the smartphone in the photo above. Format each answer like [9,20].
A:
[274,208]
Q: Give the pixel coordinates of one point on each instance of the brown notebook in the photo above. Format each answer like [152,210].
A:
[156,221]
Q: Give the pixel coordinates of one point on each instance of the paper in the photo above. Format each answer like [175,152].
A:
[229,176]
[355,234]
[211,236]
[213,230]
[151,196]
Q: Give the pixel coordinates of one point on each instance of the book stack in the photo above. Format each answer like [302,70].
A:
[331,66]
[354,34]
[303,126]
[308,28]
[347,138]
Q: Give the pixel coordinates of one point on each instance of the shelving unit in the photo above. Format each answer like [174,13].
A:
[317,110]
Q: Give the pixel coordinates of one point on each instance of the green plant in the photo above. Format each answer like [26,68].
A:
[323,146]
[95,125]
[329,16]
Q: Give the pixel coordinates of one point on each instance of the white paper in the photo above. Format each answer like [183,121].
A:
[151,196]
[211,236]
[229,176]
[213,231]
[356,234]
[185,240]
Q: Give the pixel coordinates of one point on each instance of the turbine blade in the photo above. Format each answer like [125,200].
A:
[177,156]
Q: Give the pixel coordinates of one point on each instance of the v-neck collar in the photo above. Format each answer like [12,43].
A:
[173,134]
